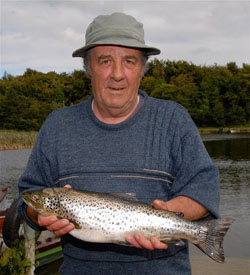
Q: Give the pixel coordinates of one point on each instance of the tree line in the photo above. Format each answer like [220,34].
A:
[213,95]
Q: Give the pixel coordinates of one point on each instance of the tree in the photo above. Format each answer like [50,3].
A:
[214,95]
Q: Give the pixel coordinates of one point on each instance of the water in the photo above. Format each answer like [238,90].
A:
[230,152]
[232,155]
[12,164]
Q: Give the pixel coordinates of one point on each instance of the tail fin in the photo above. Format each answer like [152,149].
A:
[211,239]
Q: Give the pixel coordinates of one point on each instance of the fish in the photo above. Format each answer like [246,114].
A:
[109,218]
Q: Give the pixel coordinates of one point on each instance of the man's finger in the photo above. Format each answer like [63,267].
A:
[131,240]
[158,244]
[67,186]
[143,242]
[138,240]
[158,204]
[58,225]
[64,230]
[45,221]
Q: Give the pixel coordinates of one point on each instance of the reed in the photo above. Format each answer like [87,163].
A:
[12,139]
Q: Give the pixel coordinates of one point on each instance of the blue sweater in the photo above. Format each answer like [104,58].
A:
[157,153]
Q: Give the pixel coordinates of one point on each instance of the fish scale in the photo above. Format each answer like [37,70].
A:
[105,218]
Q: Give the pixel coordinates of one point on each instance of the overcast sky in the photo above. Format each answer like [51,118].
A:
[42,35]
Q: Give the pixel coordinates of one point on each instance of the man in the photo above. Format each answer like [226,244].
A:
[121,140]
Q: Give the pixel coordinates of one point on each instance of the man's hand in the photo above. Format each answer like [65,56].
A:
[191,209]
[58,226]
[138,240]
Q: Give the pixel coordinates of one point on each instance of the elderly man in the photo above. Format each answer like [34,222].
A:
[121,140]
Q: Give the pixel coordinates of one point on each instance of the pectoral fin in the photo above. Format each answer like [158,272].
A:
[77,226]
[123,243]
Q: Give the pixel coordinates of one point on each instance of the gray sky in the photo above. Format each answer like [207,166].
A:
[42,35]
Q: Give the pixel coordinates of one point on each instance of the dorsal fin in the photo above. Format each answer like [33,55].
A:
[180,214]
[126,196]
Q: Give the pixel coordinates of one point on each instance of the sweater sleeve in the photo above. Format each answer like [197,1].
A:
[197,176]
[37,175]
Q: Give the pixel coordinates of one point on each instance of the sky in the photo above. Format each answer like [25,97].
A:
[41,35]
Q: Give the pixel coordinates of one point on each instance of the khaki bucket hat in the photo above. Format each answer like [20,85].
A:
[115,29]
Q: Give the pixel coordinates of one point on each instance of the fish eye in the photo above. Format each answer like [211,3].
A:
[35,197]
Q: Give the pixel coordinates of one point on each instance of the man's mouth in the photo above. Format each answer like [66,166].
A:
[117,88]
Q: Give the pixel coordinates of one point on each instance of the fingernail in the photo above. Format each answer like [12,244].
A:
[65,222]
[128,239]
[157,202]
[153,240]
[53,219]
[71,226]
[137,237]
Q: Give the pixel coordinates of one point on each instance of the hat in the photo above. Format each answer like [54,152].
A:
[115,29]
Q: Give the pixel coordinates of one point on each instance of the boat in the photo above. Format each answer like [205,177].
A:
[231,131]
[2,215]
[48,246]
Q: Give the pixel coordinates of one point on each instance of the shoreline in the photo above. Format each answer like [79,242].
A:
[15,147]
[224,130]
[17,140]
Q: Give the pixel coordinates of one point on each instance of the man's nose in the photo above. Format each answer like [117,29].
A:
[118,71]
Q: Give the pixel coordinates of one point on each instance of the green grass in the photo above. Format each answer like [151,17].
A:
[12,139]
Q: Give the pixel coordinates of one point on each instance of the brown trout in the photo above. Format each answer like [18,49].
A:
[108,218]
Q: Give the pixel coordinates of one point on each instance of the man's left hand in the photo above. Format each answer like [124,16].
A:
[138,240]
[191,209]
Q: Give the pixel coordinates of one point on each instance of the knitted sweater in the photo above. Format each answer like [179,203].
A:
[157,153]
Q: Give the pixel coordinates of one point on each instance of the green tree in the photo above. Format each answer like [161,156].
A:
[214,95]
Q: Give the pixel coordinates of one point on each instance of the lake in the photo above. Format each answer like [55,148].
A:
[230,152]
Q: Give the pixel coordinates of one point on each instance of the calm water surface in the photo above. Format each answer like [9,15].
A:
[230,152]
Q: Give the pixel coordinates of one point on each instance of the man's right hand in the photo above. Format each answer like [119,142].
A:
[58,226]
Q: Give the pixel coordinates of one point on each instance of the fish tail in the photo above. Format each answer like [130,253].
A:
[211,238]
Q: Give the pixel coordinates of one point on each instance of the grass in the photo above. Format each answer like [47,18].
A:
[12,139]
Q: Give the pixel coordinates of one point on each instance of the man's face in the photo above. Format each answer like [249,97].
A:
[115,77]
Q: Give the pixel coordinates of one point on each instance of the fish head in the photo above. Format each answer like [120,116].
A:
[43,201]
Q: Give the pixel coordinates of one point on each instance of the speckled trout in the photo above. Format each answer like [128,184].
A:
[109,218]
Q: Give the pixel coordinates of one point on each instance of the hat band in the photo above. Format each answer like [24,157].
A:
[113,35]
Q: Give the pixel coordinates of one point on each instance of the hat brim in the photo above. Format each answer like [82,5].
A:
[148,50]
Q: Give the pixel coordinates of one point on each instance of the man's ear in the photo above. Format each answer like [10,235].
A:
[88,75]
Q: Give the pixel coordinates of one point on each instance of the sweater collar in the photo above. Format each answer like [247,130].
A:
[143,97]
